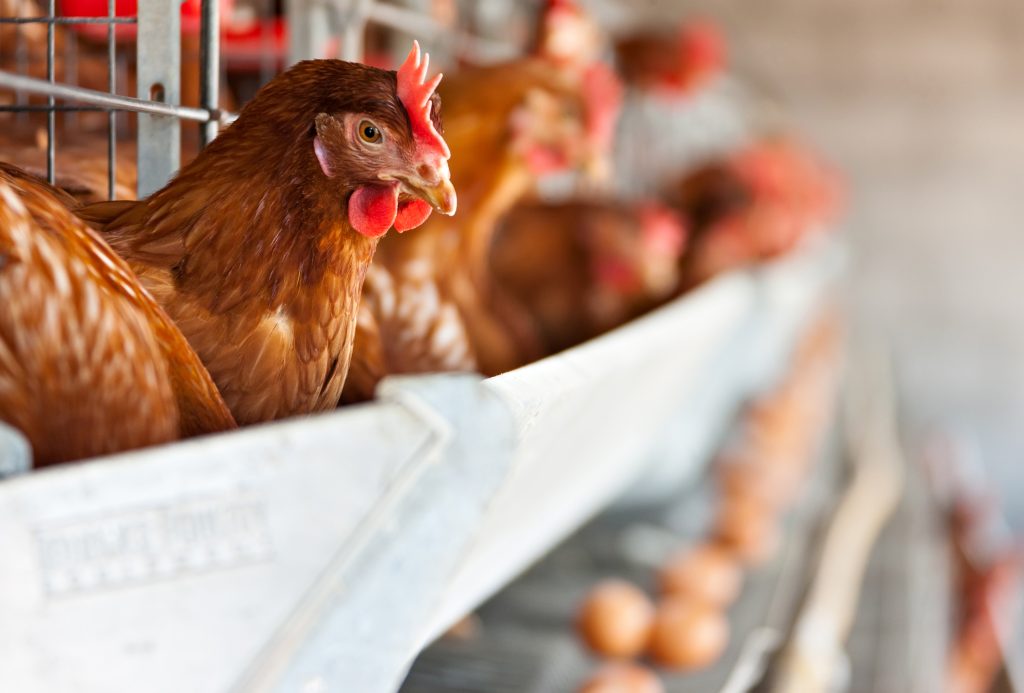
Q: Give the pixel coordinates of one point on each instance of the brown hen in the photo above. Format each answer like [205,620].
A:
[258,248]
[89,364]
[581,268]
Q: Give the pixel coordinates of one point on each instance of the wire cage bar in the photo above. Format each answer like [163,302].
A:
[312,25]
[112,21]
[157,101]
[104,101]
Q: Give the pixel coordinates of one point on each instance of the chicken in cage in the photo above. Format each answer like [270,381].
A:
[482,268]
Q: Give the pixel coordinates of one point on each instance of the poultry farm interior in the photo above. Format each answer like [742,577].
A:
[323,370]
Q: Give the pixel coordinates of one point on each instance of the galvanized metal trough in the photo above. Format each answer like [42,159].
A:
[321,554]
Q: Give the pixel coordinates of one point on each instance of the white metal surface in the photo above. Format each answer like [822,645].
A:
[15,454]
[585,420]
[322,553]
[158,79]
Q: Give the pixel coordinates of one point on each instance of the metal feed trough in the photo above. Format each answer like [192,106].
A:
[322,553]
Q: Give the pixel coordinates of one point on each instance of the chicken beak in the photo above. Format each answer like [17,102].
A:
[440,195]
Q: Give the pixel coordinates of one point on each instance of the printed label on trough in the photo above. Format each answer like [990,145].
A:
[150,544]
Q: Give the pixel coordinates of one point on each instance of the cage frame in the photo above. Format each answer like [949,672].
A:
[311,25]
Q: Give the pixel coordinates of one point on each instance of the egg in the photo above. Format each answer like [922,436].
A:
[707,572]
[615,619]
[622,677]
[748,528]
[772,485]
[687,634]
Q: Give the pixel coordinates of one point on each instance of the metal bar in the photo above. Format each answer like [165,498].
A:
[67,20]
[268,60]
[308,23]
[350,17]
[158,78]
[51,117]
[70,76]
[112,101]
[112,116]
[209,66]
[58,108]
[21,59]
[420,25]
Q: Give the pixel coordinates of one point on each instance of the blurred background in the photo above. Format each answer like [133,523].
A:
[921,106]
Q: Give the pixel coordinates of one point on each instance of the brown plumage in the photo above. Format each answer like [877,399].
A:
[758,203]
[89,364]
[253,250]
[427,301]
[582,267]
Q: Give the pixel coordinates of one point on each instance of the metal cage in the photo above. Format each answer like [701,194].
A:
[312,27]
[158,60]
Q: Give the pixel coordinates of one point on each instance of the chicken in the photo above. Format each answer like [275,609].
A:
[678,112]
[89,364]
[572,44]
[677,63]
[583,267]
[257,249]
[756,204]
[428,305]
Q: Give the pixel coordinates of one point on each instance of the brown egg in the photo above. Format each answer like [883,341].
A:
[622,677]
[687,634]
[615,619]
[778,432]
[770,484]
[707,572]
[748,528]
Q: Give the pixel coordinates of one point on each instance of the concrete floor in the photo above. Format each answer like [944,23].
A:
[922,105]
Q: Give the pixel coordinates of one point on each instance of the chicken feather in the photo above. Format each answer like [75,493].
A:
[89,364]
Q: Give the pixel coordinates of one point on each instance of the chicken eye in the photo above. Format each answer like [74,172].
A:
[370,133]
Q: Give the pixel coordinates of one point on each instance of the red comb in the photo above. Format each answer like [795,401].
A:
[415,91]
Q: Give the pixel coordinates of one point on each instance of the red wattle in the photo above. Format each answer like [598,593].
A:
[372,209]
[411,214]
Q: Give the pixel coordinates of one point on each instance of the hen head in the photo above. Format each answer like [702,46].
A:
[635,251]
[567,35]
[556,132]
[365,136]
[701,57]
[390,153]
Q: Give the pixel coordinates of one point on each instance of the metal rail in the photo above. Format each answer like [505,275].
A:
[51,117]
[158,149]
[209,67]
[67,20]
[347,17]
[420,25]
[112,101]
[112,116]
[310,31]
